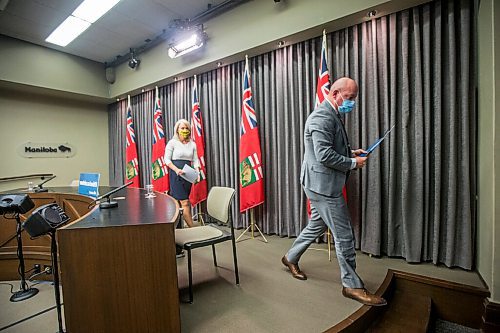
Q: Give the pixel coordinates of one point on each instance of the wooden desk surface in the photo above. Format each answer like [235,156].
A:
[133,209]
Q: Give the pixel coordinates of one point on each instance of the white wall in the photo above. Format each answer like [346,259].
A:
[33,65]
[488,249]
[37,118]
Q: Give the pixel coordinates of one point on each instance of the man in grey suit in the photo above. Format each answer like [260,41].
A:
[328,160]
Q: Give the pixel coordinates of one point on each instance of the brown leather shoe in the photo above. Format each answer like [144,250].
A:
[294,269]
[363,296]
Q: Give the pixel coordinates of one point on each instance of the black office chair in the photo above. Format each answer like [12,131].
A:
[218,208]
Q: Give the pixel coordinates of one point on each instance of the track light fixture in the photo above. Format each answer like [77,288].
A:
[133,63]
[190,41]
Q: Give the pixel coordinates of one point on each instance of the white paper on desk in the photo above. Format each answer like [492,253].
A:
[190,174]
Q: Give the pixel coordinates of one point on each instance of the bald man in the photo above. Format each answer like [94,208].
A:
[328,159]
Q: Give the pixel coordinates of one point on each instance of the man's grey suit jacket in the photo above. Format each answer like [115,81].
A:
[327,157]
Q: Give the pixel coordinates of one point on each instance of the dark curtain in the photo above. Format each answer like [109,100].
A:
[415,69]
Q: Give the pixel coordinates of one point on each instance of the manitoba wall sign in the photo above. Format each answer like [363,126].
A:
[37,149]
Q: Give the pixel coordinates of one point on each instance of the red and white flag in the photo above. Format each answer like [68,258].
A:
[251,175]
[132,166]
[159,167]
[199,189]
[323,85]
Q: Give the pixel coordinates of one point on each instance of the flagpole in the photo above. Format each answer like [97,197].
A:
[251,227]
[198,214]
[329,244]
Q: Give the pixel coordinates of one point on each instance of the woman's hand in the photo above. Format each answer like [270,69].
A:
[179,172]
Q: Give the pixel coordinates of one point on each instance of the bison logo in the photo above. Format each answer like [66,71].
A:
[64,149]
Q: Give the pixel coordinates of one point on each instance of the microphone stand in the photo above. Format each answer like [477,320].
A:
[55,273]
[25,292]
[108,203]
[39,187]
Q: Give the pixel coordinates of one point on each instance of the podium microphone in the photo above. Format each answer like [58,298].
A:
[109,203]
[39,187]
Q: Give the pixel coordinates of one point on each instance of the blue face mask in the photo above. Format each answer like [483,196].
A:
[347,105]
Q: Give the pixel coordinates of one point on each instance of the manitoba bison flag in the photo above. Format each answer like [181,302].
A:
[159,168]
[199,189]
[132,167]
[251,177]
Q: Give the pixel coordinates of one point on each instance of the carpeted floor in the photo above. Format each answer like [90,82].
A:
[268,299]
[442,326]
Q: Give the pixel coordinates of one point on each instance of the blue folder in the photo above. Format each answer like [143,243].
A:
[377,143]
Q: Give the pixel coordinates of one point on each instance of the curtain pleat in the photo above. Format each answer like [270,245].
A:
[415,69]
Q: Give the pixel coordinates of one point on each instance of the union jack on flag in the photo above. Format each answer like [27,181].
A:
[323,86]
[158,133]
[130,128]
[248,119]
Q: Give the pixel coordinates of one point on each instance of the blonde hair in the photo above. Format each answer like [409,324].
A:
[176,128]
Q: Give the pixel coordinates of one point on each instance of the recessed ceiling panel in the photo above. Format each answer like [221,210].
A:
[125,26]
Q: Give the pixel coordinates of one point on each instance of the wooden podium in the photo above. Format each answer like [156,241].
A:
[118,267]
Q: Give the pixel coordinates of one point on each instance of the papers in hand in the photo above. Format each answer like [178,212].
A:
[190,174]
[377,143]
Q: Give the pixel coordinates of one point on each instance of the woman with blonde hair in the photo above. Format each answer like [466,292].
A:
[181,150]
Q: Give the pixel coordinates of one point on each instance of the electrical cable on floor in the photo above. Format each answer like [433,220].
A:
[9,284]
[28,318]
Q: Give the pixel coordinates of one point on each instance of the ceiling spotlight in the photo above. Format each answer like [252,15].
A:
[371,13]
[281,43]
[219,64]
[133,63]
[190,42]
